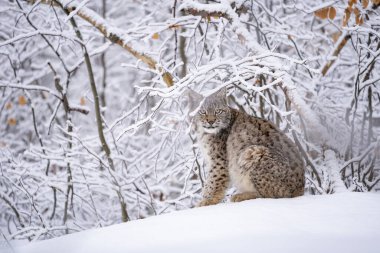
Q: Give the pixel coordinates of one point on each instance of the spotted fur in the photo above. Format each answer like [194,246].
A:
[249,152]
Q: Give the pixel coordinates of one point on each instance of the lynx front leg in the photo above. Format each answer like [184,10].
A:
[243,196]
[215,187]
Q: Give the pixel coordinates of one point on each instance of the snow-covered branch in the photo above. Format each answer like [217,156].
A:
[114,34]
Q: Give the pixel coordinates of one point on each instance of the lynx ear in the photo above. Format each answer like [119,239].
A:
[194,100]
[194,96]
[222,93]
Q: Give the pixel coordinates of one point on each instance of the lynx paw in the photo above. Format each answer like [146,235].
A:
[243,196]
[208,202]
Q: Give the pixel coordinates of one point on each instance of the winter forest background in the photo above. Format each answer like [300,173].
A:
[96,99]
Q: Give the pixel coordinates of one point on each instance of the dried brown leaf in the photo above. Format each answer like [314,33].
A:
[322,13]
[22,100]
[155,36]
[346,17]
[8,106]
[365,3]
[12,121]
[357,11]
[351,2]
[359,20]
[358,17]
[332,13]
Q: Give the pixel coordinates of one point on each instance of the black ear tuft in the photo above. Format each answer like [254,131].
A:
[194,96]
[221,94]
[194,100]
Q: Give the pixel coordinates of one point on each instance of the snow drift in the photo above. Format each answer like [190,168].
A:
[344,222]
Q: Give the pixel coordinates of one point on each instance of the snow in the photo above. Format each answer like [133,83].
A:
[343,222]
[74,12]
[224,7]
[259,50]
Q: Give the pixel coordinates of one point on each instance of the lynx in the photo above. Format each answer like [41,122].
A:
[251,153]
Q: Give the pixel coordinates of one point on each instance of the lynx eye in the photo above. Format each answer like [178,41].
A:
[218,111]
[202,112]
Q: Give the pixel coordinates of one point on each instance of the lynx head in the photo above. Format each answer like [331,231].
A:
[214,115]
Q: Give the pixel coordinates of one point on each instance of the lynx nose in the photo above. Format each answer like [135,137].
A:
[211,121]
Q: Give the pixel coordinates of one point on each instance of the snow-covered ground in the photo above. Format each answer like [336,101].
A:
[344,222]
